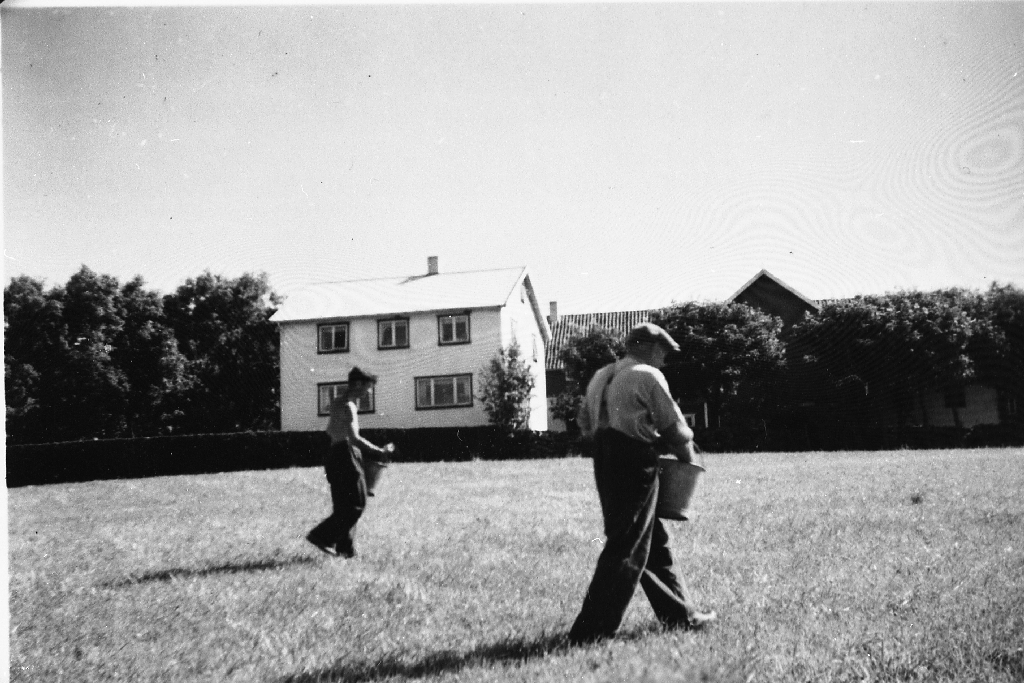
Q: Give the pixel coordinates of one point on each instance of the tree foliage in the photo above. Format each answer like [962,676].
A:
[223,329]
[895,347]
[94,358]
[731,355]
[587,351]
[87,360]
[508,385]
[1002,361]
[32,348]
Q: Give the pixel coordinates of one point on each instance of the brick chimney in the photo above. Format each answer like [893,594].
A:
[553,318]
[431,265]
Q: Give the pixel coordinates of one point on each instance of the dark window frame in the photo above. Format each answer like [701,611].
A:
[348,337]
[455,342]
[322,412]
[455,392]
[384,321]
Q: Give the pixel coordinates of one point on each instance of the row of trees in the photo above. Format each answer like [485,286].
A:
[866,362]
[95,358]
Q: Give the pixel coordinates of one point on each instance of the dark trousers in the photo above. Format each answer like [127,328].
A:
[344,470]
[637,546]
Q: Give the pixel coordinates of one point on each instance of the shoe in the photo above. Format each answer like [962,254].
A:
[346,550]
[327,548]
[695,623]
[699,620]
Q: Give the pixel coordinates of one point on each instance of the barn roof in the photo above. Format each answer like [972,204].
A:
[567,325]
[764,274]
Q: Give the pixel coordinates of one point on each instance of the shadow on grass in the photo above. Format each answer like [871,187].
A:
[511,650]
[229,568]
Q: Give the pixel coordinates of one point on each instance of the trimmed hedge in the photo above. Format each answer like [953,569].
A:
[74,461]
[827,436]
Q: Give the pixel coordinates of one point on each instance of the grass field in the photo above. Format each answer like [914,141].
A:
[894,566]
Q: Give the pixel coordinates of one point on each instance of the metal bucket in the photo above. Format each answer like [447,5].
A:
[677,482]
[373,469]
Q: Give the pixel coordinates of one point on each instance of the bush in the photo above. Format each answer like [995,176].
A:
[508,384]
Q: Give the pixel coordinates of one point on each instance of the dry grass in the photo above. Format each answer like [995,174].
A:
[898,566]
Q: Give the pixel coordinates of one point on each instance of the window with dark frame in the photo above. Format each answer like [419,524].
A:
[444,391]
[453,329]
[393,334]
[332,338]
[327,392]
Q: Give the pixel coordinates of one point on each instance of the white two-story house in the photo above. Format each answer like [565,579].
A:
[428,337]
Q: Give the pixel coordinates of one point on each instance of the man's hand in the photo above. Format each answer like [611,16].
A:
[679,440]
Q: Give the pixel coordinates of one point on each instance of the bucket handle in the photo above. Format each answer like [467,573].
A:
[697,459]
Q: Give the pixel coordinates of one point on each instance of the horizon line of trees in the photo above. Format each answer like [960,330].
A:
[95,358]
[859,365]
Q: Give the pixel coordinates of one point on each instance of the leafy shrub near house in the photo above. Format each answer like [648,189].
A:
[508,384]
[72,461]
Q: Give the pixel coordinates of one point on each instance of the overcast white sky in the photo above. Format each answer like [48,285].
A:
[629,154]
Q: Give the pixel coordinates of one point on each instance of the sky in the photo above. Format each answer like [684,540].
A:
[630,155]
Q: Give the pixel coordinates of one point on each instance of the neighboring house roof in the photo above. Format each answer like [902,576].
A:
[567,325]
[408,294]
[764,291]
[765,275]
[768,293]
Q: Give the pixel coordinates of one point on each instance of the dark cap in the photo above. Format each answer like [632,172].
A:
[649,333]
[357,375]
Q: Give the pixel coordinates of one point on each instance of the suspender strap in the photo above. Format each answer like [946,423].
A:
[602,415]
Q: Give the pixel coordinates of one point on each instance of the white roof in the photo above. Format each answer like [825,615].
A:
[406,294]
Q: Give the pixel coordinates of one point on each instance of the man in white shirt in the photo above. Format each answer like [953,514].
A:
[629,413]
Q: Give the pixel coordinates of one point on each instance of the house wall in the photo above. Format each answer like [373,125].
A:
[302,368]
[519,323]
[982,407]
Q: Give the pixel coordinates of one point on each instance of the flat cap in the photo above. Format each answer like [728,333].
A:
[357,375]
[651,333]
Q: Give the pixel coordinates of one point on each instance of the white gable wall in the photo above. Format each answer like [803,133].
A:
[302,368]
[519,322]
